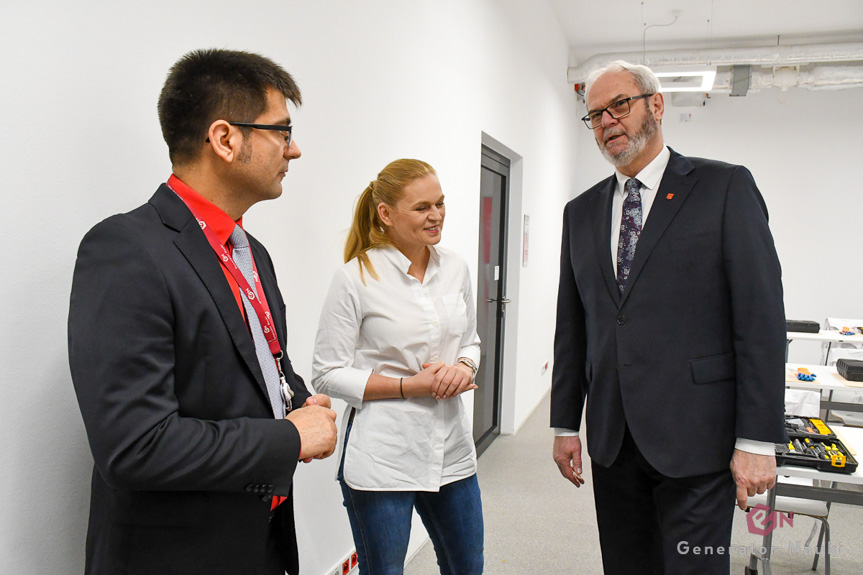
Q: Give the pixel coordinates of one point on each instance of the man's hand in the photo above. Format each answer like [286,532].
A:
[752,473]
[319,399]
[567,455]
[316,423]
[451,380]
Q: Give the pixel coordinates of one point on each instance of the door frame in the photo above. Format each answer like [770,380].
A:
[495,223]
[513,274]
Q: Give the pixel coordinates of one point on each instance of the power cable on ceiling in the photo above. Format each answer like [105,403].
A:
[644,33]
[710,32]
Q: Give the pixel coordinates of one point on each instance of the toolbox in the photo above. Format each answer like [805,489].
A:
[804,326]
[811,443]
[850,369]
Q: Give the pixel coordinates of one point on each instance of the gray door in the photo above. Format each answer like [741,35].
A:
[491,296]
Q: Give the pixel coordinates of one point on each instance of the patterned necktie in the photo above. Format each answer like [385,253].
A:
[243,258]
[630,229]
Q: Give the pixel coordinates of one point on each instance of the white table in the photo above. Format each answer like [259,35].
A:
[830,336]
[852,437]
[828,379]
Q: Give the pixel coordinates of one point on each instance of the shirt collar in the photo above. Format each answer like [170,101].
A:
[218,221]
[650,175]
[401,261]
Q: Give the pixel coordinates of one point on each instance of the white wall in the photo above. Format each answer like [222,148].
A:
[381,79]
[805,153]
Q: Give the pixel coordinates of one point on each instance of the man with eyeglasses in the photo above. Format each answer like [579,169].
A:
[177,335]
[671,328]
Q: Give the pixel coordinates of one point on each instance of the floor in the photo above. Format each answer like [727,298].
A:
[537,523]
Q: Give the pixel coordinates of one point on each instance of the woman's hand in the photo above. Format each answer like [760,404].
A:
[423,383]
[450,380]
[438,380]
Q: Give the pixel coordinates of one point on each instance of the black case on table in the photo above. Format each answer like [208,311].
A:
[850,369]
[804,326]
[815,432]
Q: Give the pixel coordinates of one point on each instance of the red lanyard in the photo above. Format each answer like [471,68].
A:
[259,303]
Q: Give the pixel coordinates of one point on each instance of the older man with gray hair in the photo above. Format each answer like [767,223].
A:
[670,319]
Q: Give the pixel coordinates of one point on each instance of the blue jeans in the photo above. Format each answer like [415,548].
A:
[381,525]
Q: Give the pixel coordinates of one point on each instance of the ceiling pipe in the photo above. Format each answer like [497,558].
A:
[768,56]
[814,77]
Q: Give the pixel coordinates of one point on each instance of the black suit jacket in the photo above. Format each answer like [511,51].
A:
[185,446]
[692,356]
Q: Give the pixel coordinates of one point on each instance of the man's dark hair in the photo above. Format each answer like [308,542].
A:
[208,85]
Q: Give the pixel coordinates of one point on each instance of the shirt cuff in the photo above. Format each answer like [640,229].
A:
[472,352]
[345,383]
[564,432]
[756,447]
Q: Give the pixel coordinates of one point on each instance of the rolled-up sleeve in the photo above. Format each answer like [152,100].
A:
[338,332]
[470,340]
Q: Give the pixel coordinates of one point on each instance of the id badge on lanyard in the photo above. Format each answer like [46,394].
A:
[259,304]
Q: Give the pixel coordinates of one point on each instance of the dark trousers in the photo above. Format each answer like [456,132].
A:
[650,524]
[273,563]
[280,555]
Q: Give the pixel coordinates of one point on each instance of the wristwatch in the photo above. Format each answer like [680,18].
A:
[469,362]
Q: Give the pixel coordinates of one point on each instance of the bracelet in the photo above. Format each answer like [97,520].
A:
[468,362]
[401,389]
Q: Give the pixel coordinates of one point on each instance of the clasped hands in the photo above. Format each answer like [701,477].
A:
[439,380]
[316,421]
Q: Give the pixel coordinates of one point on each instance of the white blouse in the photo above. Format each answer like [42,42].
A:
[392,327]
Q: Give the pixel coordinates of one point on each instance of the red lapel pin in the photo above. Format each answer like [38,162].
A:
[669,196]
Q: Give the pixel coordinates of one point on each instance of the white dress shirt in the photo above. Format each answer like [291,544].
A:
[392,327]
[650,177]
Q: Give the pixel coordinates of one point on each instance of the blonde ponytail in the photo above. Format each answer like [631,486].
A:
[362,236]
[367,230]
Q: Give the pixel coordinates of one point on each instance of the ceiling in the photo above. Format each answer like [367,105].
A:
[601,26]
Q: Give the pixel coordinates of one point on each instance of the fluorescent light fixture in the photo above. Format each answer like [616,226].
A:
[687,80]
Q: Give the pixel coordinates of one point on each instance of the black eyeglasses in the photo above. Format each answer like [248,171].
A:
[285,131]
[617,109]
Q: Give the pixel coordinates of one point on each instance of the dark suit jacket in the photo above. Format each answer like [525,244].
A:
[185,446]
[692,356]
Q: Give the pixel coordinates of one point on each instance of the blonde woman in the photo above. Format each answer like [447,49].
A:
[397,341]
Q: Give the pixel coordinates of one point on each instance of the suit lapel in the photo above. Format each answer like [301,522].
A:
[601,217]
[196,249]
[677,182]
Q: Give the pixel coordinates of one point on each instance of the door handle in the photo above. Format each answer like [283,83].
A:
[504,300]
